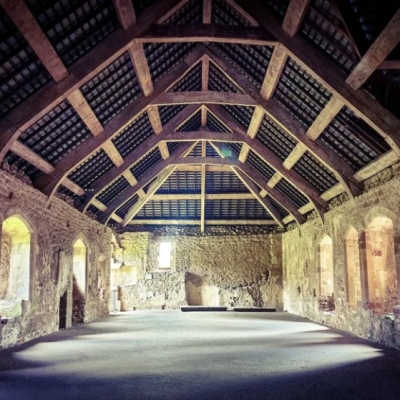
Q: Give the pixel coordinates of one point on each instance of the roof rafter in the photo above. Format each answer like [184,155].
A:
[136,155]
[326,71]
[294,16]
[377,53]
[26,23]
[291,126]
[89,65]
[49,183]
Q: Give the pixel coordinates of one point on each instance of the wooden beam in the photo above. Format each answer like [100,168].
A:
[125,13]
[82,71]
[274,180]
[264,201]
[332,192]
[202,136]
[26,23]
[285,120]
[270,158]
[386,160]
[98,204]
[294,16]
[161,178]
[257,178]
[27,154]
[294,156]
[203,198]
[136,155]
[155,120]
[274,72]
[241,11]
[389,64]
[162,146]
[207,11]
[205,73]
[113,153]
[203,117]
[212,33]
[49,183]
[209,168]
[139,61]
[255,123]
[203,97]
[82,107]
[244,153]
[123,197]
[326,116]
[377,53]
[329,74]
[172,11]
[127,174]
[258,222]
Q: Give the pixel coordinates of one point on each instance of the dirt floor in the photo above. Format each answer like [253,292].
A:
[173,355]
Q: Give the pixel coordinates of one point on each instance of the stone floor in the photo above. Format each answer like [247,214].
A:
[174,355]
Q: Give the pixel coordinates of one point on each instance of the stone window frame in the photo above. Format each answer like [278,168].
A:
[374,212]
[82,237]
[34,250]
[351,302]
[172,267]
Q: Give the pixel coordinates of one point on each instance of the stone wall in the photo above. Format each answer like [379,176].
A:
[54,231]
[302,263]
[241,270]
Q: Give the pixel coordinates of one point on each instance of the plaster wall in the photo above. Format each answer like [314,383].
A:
[241,270]
[54,231]
[302,263]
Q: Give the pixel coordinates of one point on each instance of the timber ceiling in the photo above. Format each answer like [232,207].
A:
[199,112]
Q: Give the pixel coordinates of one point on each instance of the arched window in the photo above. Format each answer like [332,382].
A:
[326,299]
[79,281]
[353,281]
[381,265]
[15,260]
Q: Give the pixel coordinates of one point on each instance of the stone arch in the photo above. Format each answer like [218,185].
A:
[326,275]
[352,267]
[17,255]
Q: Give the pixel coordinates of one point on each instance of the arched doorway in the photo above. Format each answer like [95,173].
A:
[326,278]
[353,278]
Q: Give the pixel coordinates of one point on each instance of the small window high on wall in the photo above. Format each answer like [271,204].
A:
[353,277]
[15,260]
[381,265]
[164,256]
[326,289]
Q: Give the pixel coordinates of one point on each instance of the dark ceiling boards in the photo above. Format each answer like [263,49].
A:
[269,141]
